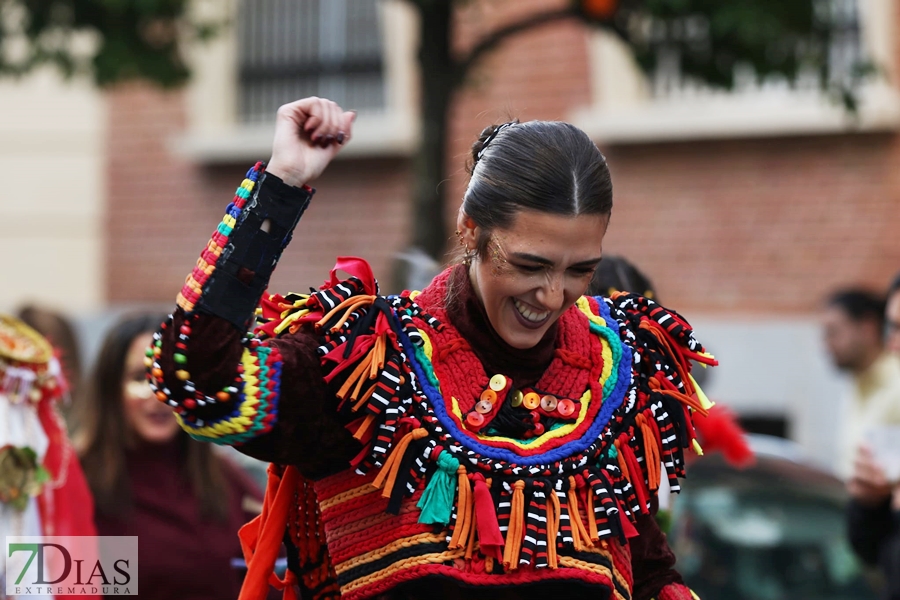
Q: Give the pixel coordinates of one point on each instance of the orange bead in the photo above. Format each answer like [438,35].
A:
[157,373]
[161,396]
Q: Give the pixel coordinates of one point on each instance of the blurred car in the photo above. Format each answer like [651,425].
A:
[772,531]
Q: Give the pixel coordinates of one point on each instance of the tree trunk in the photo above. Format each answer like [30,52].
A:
[438,83]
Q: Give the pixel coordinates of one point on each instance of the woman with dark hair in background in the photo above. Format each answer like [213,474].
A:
[150,480]
[496,435]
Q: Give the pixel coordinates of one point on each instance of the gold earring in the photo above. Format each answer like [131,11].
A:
[468,256]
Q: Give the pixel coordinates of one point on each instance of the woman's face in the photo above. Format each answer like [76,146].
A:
[534,270]
[149,420]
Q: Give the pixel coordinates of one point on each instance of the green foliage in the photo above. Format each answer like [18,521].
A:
[715,39]
[126,39]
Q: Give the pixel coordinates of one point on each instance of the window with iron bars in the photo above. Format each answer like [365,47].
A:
[290,49]
[847,60]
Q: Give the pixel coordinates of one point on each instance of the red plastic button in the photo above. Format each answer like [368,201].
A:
[565,407]
[474,419]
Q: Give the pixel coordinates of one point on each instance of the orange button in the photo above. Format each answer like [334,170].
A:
[566,407]
[549,403]
[531,401]
[489,396]
[474,419]
[484,407]
[498,383]
[516,399]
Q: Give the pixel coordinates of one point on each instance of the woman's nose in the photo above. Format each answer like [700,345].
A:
[552,294]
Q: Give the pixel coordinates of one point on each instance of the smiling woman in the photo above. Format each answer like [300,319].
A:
[498,434]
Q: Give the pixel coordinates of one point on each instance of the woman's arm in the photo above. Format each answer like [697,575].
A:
[265,397]
[652,563]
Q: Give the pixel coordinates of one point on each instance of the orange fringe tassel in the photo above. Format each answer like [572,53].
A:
[388,474]
[516,529]
[580,535]
[464,512]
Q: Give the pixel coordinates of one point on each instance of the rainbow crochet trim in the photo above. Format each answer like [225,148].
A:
[206,264]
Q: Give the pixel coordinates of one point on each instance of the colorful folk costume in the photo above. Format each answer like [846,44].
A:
[411,447]
[43,491]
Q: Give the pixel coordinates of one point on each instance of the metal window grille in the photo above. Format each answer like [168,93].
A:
[290,49]
[846,58]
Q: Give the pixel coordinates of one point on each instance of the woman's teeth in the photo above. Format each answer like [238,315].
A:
[530,315]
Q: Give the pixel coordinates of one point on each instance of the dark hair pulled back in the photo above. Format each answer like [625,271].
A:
[546,166]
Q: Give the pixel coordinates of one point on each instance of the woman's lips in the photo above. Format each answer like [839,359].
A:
[527,317]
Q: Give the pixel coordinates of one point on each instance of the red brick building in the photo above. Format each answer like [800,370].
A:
[745,210]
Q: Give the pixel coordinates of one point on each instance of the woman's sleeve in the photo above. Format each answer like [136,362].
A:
[266,397]
[652,563]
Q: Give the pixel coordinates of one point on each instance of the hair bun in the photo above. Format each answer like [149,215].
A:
[487,136]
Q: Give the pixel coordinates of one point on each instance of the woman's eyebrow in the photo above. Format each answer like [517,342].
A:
[550,263]
[532,258]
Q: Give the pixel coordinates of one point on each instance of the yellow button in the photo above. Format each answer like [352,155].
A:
[549,402]
[498,383]
[531,401]
[516,400]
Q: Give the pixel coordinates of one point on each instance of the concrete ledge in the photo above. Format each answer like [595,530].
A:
[374,136]
[723,116]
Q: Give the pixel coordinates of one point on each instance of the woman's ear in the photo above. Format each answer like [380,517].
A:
[466,231]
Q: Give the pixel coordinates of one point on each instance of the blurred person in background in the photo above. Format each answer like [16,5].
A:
[854,323]
[61,334]
[874,511]
[43,491]
[183,501]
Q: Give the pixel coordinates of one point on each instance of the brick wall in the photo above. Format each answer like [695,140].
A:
[163,209]
[758,226]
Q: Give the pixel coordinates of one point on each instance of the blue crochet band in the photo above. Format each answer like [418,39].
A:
[574,448]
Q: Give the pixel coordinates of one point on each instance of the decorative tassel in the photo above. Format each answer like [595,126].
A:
[437,499]
[651,452]
[388,474]
[591,515]
[463,510]
[553,512]
[516,527]
[364,427]
[489,537]
[581,538]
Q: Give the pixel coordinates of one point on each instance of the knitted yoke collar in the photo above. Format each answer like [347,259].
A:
[466,312]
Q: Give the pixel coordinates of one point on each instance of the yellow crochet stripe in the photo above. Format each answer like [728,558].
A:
[366,488]
[415,561]
[248,409]
[585,307]
[574,563]
[378,553]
